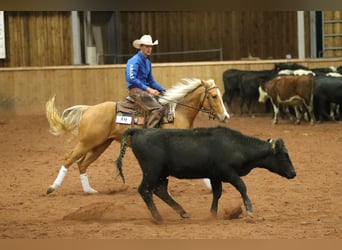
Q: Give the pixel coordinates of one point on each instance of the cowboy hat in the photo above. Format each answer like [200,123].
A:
[146,40]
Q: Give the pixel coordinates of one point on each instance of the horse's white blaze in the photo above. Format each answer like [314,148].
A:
[225,113]
[222,104]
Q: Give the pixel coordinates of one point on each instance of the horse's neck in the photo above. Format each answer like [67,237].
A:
[187,111]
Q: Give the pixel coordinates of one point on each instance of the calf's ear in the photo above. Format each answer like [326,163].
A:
[279,144]
[273,143]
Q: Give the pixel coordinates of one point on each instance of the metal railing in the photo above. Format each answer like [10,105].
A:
[117,58]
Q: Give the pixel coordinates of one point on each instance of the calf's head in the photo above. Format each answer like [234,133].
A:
[279,162]
[262,94]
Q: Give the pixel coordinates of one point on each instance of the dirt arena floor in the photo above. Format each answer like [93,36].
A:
[307,207]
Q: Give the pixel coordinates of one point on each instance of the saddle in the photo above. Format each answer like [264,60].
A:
[127,112]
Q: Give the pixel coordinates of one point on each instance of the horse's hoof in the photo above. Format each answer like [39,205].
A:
[184,215]
[50,190]
[91,191]
[158,220]
[250,214]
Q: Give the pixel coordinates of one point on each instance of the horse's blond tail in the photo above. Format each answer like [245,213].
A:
[68,123]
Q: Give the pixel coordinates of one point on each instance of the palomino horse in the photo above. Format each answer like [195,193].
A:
[95,126]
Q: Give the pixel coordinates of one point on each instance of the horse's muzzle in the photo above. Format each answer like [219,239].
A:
[223,118]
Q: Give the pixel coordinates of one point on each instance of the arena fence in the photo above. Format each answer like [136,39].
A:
[26,90]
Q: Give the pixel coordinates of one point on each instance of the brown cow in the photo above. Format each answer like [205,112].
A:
[296,91]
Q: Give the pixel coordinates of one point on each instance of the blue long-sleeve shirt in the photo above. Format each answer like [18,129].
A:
[139,73]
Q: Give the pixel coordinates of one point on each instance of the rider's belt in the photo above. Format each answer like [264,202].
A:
[134,90]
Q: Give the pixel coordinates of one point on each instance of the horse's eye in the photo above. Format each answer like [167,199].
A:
[214,96]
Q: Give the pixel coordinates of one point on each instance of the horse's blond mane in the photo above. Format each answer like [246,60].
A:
[179,90]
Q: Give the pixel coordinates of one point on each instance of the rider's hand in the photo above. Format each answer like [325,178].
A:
[153,92]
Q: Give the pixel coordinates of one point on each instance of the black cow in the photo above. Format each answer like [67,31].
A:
[339,69]
[289,65]
[220,154]
[249,86]
[324,71]
[231,83]
[327,90]
[244,84]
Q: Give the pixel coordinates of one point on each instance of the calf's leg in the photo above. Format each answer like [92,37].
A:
[250,108]
[217,192]
[145,190]
[298,113]
[162,193]
[241,102]
[276,112]
[238,183]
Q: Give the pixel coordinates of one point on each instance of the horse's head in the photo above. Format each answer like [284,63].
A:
[212,102]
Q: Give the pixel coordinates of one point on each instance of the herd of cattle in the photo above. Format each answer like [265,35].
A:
[290,88]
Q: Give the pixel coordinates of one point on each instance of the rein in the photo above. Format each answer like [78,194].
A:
[208,111]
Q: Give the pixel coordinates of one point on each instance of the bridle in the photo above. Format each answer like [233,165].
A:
[209,111]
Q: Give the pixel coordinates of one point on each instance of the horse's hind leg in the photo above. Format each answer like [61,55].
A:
[75,155]
[84,163]
[162,193]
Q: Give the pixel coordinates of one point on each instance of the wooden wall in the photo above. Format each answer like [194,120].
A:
[333,26]
[38,38]
[26,90]
[263,34]
[44,38]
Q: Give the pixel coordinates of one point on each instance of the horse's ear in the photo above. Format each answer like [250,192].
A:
[205,83]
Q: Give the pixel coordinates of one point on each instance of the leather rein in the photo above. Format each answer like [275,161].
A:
[209,111]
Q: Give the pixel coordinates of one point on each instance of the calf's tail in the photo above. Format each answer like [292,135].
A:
[123,146]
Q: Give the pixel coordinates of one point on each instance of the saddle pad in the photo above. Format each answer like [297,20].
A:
[123,118]
[126,113]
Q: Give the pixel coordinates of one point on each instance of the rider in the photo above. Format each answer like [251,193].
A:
[140,82]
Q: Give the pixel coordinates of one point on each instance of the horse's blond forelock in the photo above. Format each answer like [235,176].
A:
[179,90]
